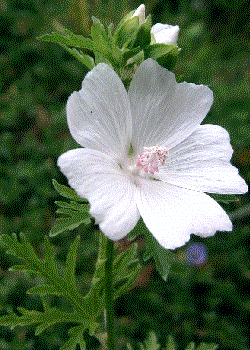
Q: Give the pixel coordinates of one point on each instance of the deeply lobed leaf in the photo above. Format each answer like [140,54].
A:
[76,211]
[68,39]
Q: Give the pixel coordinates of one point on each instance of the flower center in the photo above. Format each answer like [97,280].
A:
[150,159]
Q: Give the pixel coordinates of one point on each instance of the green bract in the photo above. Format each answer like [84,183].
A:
[125,47]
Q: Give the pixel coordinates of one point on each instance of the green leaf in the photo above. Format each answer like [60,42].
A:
[70,263]
[171,343]
[76,337]
[240,213]
[190,346]
[73,205]
[99,37]
[75,211]
[21,268]
[207,346]
[68,39]
[47,268]
[126,269]
[45,319]
[161,256]
[56,284]
[69,223]
[124,259]
[53,316]
[224,198]
[86,60]
[67,192]
[44,289]
[49,254]
[151,343]
[22,250]
[165,55]
[104,44]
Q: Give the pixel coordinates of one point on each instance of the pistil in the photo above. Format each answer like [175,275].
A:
[150,159]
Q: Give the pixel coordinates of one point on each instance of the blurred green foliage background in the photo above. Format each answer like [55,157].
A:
[199,302]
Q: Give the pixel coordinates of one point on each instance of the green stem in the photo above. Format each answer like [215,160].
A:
[109,293]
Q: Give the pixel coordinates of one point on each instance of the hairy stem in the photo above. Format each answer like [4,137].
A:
[109,293]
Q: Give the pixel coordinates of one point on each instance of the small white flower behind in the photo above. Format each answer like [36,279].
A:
[163,33]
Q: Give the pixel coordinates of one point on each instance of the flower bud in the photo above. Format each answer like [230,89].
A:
[165,33]
[134,29]
[140,12]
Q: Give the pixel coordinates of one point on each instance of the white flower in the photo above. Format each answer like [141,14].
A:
[147,155]
[163,33]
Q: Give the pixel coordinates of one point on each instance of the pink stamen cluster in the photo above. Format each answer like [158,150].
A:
[150,159]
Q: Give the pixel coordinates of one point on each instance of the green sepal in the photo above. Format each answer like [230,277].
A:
[126,35]
[165,55]
[122,21]
[131,55]
[121,27]
[131,34]
[162,257]
[143,37]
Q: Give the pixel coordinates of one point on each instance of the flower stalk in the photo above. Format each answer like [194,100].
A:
[109,298]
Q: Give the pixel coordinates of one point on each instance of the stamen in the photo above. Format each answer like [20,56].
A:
[151,157]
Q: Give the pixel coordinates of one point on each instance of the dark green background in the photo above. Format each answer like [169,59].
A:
[198,303]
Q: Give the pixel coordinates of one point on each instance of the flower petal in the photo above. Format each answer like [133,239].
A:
[99,114]
[140,12]
[97,177]
[202,162]
[164,112]
[172,213]
[165,33]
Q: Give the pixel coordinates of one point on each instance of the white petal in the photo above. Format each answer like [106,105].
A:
[172,213]
[164,112]
[97,177]
[202,162]
[99,114]
[165,33]
[140,12]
